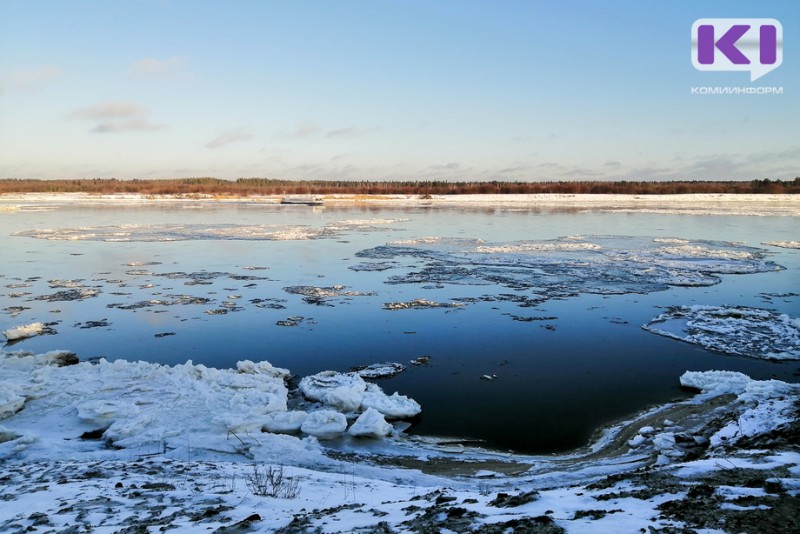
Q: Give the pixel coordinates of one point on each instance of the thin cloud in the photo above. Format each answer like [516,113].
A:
[350,131]
[156,68]
[452,166]
[228,138]
[108,110]
[306,129]
[29,79]
[135,125]
[117,116]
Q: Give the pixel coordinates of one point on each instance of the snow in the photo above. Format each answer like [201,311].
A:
[740,330]
[182,464]
[24,331]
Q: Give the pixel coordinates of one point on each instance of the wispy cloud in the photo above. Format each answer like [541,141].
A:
[108,110]
[452,166]
[30,79]
[159,68]
[310,129]
[350,131]
[117,116]
[135,125]
[305,129]
[228,138]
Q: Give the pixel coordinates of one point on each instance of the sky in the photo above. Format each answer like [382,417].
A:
[387,90]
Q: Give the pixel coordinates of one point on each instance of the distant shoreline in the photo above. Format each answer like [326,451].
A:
[247,187]
[688,204]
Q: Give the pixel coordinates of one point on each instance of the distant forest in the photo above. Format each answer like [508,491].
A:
[263,186]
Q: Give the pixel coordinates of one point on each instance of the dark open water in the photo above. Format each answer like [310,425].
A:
[558,379]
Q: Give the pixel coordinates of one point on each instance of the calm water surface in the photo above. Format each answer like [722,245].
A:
[558,380]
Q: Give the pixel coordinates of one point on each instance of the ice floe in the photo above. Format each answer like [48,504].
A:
[320,295]
[185,232]
[418,304]
[24,331]
[740,330]
[783,244]
[379,370]
[570,265]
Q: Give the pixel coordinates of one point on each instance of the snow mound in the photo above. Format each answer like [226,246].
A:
[370,424]
[324,424]
[740,330]
[24,331]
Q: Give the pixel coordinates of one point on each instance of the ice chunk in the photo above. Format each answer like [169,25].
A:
[742,330]
[395,406]
[10,399]
[103,412]
[343,399]
[379,370]
[24,331]
[718,382]
[284,422]
[324,424]
[315,387]
[264,368]
[783,244]
[636,440]
[370,424]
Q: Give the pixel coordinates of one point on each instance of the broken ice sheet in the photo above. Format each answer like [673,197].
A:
[739,330]
[572,265]
[320,295]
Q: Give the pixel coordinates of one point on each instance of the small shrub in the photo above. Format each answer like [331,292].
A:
[272,482]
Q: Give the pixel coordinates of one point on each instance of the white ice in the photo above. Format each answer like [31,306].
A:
[370,424]
[24,331]
[324,424]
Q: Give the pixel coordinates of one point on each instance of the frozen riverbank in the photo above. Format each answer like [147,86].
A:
[73,457]
[686,204]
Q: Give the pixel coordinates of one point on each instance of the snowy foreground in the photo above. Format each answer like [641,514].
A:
[139,447]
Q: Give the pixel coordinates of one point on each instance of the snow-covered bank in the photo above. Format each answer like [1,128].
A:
[188,443]
[689,204]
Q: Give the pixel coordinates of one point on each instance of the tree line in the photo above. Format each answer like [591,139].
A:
[265,186]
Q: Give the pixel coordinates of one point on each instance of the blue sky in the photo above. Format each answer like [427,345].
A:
[412,89]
